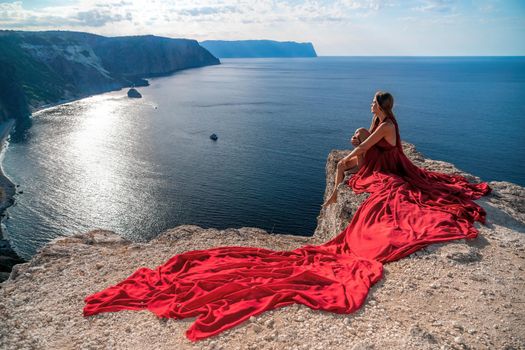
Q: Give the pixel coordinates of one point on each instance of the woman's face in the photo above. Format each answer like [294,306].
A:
[374,107]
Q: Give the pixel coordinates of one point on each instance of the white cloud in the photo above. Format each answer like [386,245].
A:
[437,6]
[14,15]
[96,13]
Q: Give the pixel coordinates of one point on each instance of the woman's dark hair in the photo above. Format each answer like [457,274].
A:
[385,100]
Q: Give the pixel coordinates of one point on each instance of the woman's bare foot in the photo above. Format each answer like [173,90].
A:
[332,199]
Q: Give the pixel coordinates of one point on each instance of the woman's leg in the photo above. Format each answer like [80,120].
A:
[347,164]
[362,134]
[343,165]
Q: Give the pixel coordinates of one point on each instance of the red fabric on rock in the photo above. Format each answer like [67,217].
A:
[408,208]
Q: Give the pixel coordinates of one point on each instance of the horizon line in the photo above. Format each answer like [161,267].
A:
[420,55]
[344,55]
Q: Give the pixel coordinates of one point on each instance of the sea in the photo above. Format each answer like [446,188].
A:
[141,166]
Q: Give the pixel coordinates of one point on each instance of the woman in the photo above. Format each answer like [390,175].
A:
[363,139]
[408,208]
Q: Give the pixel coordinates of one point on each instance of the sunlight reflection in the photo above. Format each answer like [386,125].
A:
[96,125]
[95,170]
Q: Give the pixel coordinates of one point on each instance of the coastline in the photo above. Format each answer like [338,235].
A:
[7,187]
[8,257]
[42,107]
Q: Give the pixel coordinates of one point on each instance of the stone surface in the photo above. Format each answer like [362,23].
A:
[133,93]
[458,295]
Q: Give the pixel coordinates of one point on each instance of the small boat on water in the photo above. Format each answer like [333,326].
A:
[213,137]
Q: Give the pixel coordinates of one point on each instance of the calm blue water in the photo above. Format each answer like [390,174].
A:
[139,167]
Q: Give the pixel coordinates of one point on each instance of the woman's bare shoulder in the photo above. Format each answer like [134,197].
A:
[387,124]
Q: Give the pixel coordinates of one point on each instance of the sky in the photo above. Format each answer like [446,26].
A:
[335,27]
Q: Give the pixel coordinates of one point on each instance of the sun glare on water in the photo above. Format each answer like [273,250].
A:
[96,163]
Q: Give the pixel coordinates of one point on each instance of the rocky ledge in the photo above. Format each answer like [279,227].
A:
[458,295]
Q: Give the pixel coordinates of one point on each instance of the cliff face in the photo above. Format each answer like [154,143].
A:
[258,48]
[13,101]
[150,55]
[47,67]
[458,295]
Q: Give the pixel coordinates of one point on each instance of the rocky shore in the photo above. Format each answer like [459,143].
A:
[458,295]
[8,257]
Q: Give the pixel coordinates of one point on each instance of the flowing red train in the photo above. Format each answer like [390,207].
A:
[408,208]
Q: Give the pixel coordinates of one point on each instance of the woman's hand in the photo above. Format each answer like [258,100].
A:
[355,141]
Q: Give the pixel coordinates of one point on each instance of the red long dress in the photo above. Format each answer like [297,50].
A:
[408,208]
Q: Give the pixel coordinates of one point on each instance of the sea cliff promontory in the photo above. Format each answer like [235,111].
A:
[48,67]
[258,48]
[455,295]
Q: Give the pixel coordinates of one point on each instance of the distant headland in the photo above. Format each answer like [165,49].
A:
[258,48]
[49,67]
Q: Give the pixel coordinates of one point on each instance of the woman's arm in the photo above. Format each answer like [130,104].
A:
[355,139]
[381,131]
